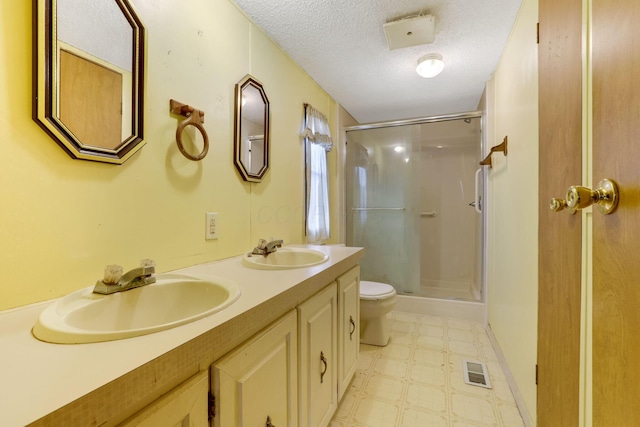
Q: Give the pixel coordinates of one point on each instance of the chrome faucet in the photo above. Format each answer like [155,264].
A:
[114,281]
[265,248]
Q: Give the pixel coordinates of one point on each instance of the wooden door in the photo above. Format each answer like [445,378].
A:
[616,237]
[90,101]
[317,326]
[259,380]
[614,124]
[348,327]
[560,234]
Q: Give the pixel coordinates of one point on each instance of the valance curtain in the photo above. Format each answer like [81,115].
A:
[317,140]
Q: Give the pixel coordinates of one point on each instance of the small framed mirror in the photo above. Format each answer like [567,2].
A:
[251,142]
[89,77]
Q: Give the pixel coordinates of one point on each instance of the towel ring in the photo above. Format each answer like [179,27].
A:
[194,117]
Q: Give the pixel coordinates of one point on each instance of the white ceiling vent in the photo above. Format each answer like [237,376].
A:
[410,31]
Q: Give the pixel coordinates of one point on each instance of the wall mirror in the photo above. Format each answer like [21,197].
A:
[89,77]
[251,142]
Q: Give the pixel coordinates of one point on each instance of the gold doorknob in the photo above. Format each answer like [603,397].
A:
[605,196]
[557,205]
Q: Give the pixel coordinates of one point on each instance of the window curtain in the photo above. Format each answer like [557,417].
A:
[317,140]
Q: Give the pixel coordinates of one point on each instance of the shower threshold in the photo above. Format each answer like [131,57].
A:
[456,309]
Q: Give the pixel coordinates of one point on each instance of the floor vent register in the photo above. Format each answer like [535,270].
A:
[475,373]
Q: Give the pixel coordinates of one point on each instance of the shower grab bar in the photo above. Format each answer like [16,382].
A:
[378,209]
[429,213]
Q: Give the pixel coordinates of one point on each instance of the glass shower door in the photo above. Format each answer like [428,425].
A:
[450,227]
[380,206]
[411,191]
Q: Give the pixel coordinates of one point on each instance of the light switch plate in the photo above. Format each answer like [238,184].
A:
[211,226]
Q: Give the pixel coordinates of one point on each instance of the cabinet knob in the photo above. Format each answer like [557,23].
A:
[269,422]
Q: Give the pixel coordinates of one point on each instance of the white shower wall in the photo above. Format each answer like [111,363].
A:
[449,241]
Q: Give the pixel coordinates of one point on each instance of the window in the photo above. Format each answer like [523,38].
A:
[317,139]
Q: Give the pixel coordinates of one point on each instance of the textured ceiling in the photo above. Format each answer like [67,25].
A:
[342,46]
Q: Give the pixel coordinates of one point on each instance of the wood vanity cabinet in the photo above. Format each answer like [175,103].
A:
[329,340]
[294,372]
[257,383]
[318,351]
[288,373]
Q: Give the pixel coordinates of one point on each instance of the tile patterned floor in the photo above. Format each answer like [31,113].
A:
[416,380]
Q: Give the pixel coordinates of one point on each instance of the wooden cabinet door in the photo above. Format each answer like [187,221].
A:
[348,327]
[258,380]
[317,327]
[184,406]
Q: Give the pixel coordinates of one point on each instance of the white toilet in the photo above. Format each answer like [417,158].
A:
[376,301]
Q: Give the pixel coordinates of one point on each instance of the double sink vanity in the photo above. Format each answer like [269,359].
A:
[249,340]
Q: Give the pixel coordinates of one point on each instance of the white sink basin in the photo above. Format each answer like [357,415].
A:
[175,299]
[285,258]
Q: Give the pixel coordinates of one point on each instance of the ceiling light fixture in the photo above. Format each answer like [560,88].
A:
[430,65]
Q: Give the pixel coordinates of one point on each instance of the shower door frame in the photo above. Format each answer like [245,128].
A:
[422,120]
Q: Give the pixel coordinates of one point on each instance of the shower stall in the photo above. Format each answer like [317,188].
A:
[414,194]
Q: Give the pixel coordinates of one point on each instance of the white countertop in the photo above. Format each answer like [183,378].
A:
[36,378]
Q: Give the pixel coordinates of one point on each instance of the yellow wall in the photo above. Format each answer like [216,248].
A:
[63,220]
[512,97]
